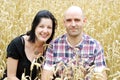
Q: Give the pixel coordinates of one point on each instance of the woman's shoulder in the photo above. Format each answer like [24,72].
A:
[17,40]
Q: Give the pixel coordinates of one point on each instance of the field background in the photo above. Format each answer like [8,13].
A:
[103,23]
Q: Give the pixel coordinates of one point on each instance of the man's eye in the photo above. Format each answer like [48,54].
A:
[68,20]
[77,20]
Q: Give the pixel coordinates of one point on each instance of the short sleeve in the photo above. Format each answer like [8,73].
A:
[12,49]
[100,62]
[49,58]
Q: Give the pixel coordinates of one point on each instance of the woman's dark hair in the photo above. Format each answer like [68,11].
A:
[42,14]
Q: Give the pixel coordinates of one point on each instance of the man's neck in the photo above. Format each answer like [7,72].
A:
[73,41]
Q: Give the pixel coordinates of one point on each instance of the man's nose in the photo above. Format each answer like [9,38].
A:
[73,23]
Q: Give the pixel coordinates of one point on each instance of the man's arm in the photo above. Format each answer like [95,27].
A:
[104,76]
[100,62]
[46,75]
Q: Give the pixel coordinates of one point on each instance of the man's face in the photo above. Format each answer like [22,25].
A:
[74,23]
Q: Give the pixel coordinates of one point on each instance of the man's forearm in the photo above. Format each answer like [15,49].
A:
[104,76]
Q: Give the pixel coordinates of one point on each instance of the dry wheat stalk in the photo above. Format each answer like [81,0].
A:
[103,23]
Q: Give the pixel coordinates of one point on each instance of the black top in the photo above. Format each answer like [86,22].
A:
[16,50]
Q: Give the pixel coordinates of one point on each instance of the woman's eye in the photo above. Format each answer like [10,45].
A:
[49,27]
[41,26]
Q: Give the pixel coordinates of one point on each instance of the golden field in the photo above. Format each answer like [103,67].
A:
[103,23]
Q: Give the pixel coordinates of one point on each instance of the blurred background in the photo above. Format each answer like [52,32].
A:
[103,23]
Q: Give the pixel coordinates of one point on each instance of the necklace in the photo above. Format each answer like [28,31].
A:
[36,52]
[39,52]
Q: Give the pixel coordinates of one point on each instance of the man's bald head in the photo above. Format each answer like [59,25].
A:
[74,9]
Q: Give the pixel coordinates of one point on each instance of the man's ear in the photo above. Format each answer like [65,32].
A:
[64,21]
[85,20]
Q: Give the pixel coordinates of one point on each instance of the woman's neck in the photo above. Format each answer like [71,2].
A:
[37,46]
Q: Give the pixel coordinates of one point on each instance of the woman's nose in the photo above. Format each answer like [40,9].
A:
[45,29]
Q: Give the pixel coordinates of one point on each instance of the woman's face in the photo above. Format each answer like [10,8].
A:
[43,30]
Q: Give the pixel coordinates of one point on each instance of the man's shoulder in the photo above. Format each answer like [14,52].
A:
[60,39]
[90,39]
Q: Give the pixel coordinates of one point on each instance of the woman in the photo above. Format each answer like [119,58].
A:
[24,49]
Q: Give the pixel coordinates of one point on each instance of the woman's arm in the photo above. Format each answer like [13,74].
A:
[11,68]
[46,75]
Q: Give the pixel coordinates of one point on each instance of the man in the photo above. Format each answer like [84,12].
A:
[63,48]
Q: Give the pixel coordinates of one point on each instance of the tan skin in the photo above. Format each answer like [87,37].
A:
[74,22]
[43,32]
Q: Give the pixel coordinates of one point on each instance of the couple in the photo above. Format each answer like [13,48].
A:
[25,49]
